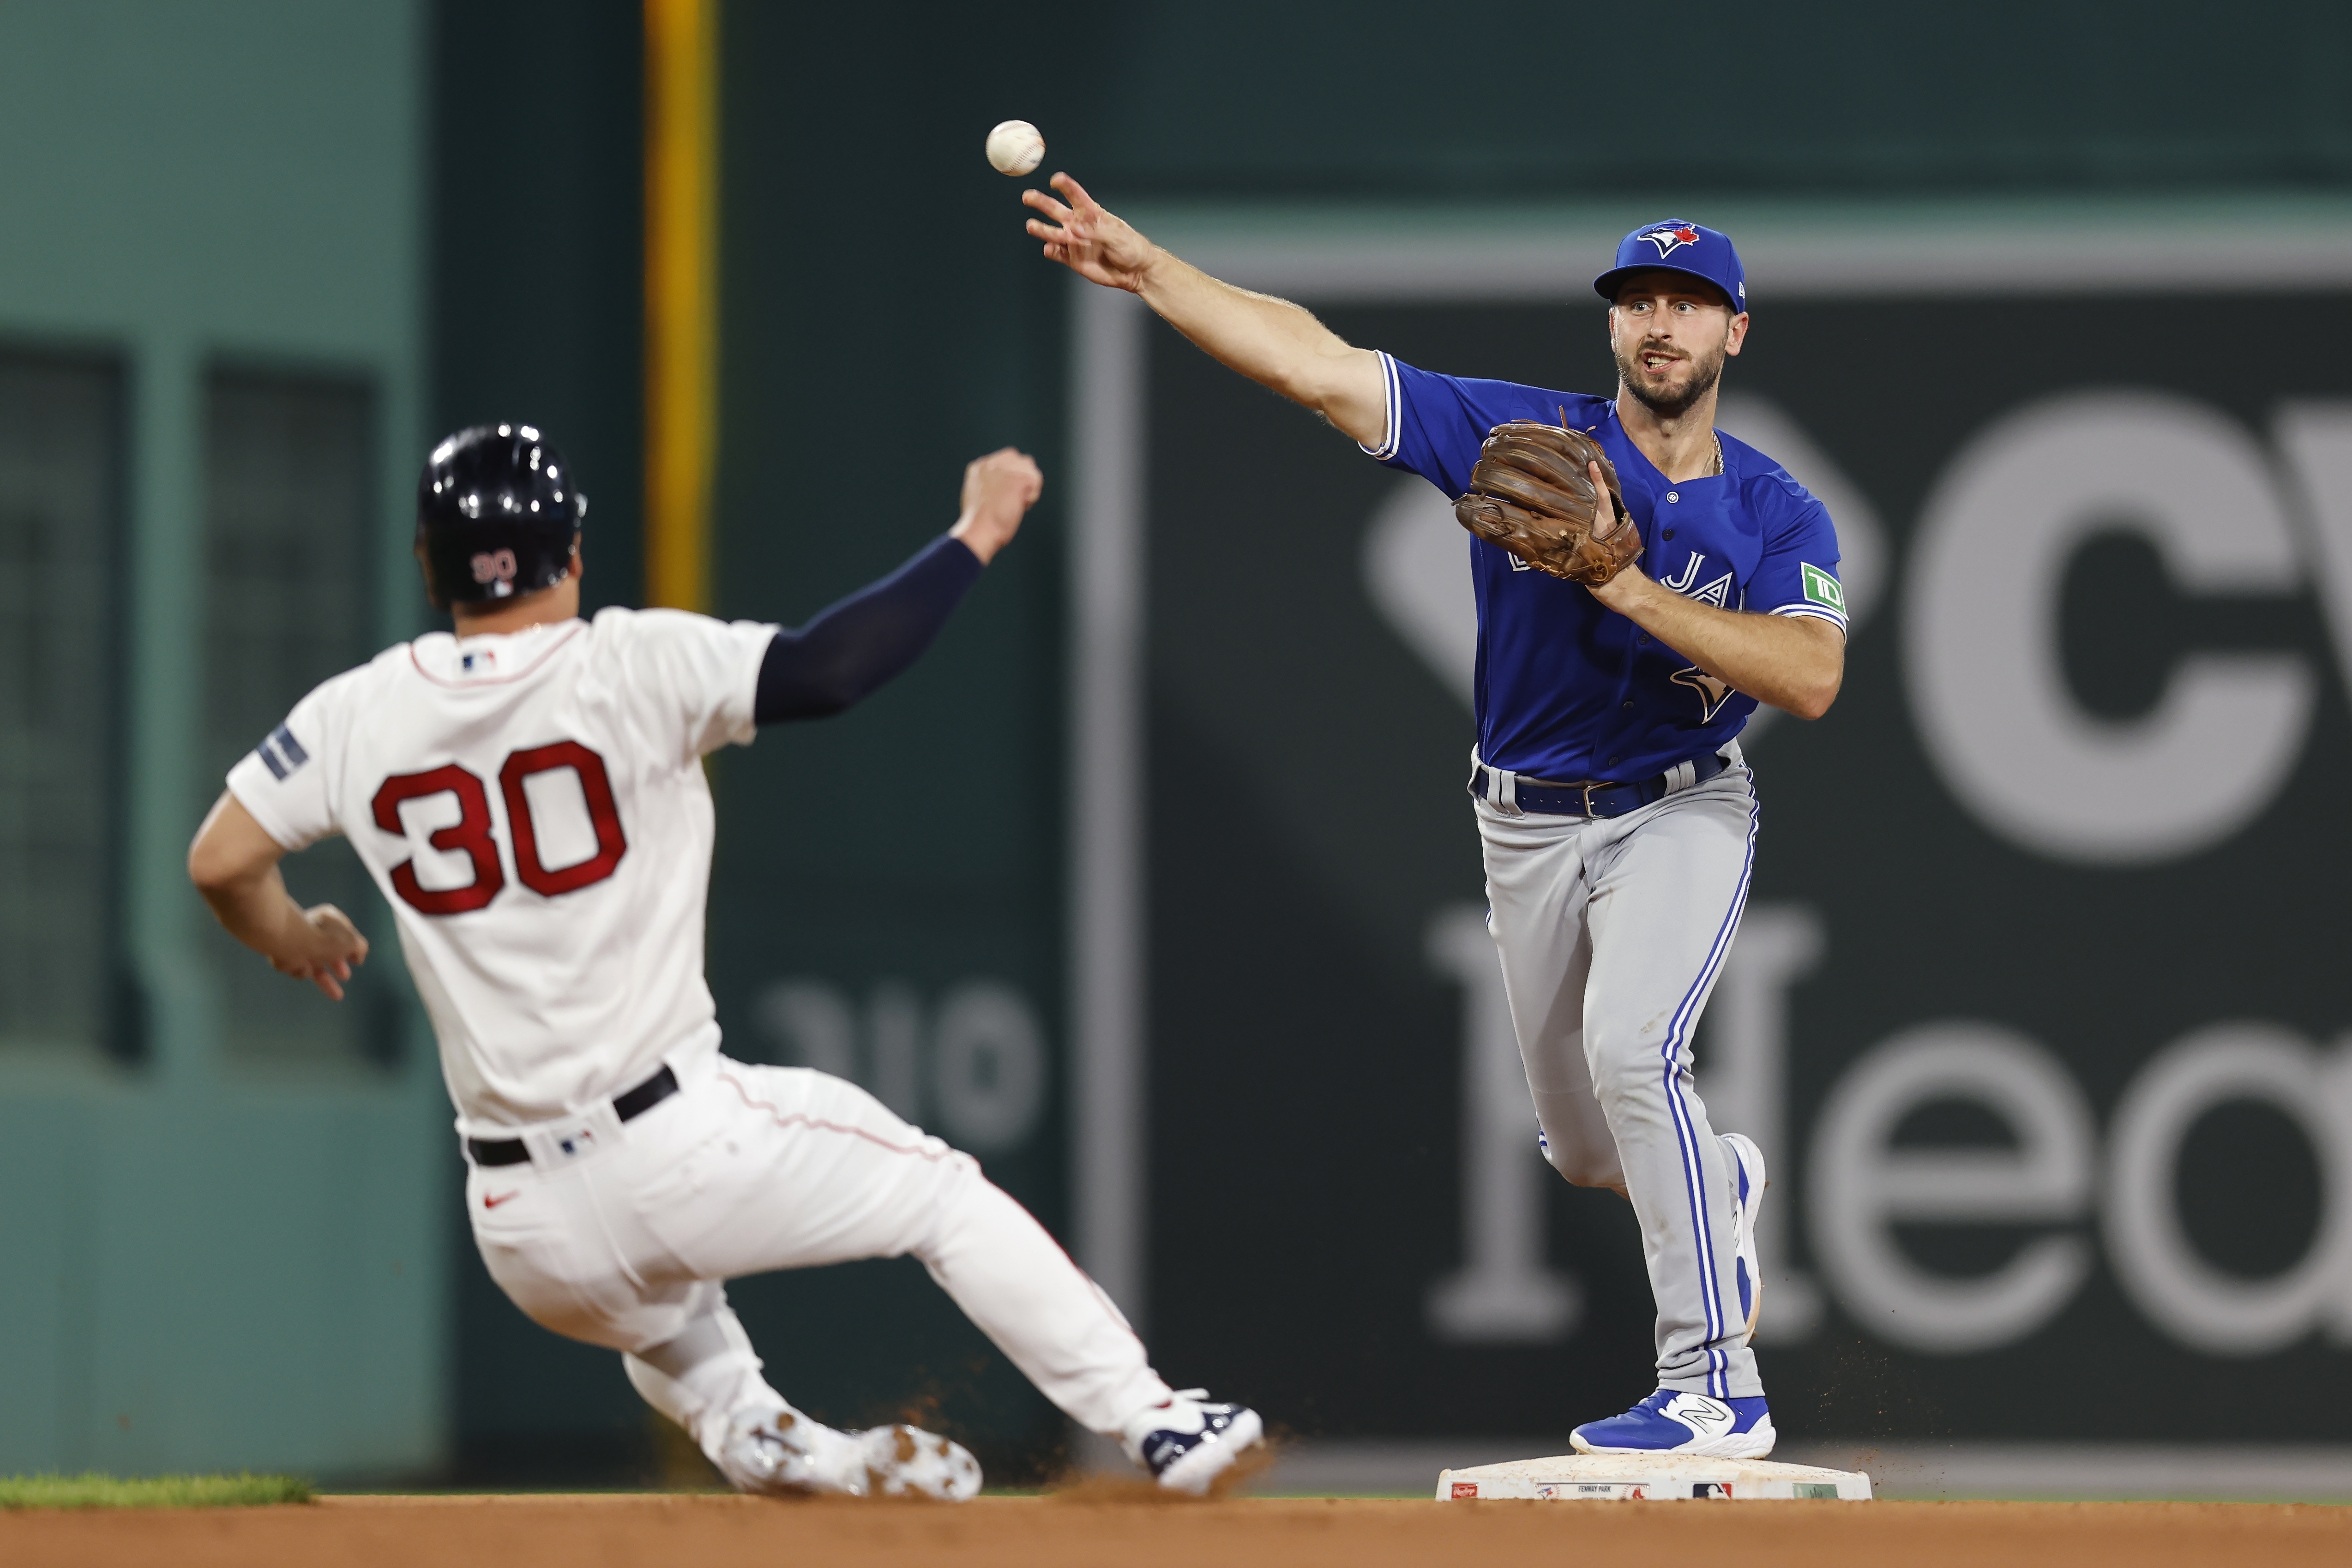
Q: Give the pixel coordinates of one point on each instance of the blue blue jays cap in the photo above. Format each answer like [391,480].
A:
[1677,246]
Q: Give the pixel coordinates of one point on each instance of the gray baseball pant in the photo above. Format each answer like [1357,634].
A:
[1612,931]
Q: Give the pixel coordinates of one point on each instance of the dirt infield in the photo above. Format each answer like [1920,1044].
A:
[1051,1532]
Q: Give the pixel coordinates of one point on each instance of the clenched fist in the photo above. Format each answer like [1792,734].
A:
[998,489]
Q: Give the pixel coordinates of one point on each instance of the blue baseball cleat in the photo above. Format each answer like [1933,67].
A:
[1752,1183]
[1188,1444]
[1673,1422]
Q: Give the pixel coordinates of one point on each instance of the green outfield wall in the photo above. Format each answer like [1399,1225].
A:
[254,255]
[224,1223]
[884,318]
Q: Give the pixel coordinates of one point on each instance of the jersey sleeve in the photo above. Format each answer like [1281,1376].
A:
[1799,572]
[1436,424]
[694,679]
[282,783]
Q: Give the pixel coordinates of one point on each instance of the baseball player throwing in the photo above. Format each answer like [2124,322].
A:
[529,796]
[1617,816]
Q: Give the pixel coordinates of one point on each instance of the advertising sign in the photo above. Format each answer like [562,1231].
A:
[2040,1004]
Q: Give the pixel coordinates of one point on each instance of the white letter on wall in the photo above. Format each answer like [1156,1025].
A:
[1858,1187]
[2315,441]
[810,1023]
[1981,638]
[1503,1293]
[988,1067]
[2179,1292]
[1743,1075]
[1416,567]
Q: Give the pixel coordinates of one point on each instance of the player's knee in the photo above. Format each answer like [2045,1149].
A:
[603,1307]
[1581,1167]
[1591,1172]
[559,1309]
[1621,1078]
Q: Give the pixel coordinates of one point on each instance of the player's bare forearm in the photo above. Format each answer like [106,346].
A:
[1794,662]
[1274,342]
[233,863]
[255,909]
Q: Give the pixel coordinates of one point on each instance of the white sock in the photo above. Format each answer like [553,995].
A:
[706,1375]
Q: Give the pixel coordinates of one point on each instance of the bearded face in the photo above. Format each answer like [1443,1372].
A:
[1669,377]
[1670,338]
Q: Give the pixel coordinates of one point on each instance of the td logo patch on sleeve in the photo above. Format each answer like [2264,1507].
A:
[1821,589]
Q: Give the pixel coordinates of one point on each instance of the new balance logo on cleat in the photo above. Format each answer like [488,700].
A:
[1187,1444]
[1708,1417]
[1674,1422]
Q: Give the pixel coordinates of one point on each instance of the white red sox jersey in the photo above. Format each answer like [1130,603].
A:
[533,808]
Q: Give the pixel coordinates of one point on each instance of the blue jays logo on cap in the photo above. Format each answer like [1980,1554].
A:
[1678,245]
[1670,237]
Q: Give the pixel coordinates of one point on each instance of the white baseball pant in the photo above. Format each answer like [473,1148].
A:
[625,1241]
[1611,932]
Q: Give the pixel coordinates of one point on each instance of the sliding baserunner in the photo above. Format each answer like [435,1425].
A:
[529,795]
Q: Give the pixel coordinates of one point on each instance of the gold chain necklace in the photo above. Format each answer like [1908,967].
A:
[1719,453]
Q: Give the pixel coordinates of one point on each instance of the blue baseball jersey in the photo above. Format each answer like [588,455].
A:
[1567,690]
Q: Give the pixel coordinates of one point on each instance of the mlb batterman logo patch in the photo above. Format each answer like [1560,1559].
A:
[1671,237]
[1821,589]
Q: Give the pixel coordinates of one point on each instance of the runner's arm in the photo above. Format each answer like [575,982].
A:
[854,647]
[233,863]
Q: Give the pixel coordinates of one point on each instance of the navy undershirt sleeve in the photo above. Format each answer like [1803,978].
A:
[854,645]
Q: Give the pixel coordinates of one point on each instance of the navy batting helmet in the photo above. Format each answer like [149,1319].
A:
[497,514]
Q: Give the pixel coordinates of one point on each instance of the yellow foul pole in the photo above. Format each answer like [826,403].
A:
[681,297]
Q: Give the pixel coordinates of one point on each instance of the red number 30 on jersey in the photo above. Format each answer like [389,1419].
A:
[471,831]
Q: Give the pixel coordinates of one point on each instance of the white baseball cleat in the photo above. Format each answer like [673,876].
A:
[1750,1184]
[782,1453]
[1187,1443]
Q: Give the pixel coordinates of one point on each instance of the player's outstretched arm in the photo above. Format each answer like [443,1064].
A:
[857,644]
[233,863]
[1272,341]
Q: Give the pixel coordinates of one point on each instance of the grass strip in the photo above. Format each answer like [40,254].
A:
[93,1490]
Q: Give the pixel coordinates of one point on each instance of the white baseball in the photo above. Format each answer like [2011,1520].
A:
[1015,148]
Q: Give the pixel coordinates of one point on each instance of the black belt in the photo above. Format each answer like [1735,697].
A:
[635,1104]
[1596,798]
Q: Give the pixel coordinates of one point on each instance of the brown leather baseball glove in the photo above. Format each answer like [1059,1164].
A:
[1531,494]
